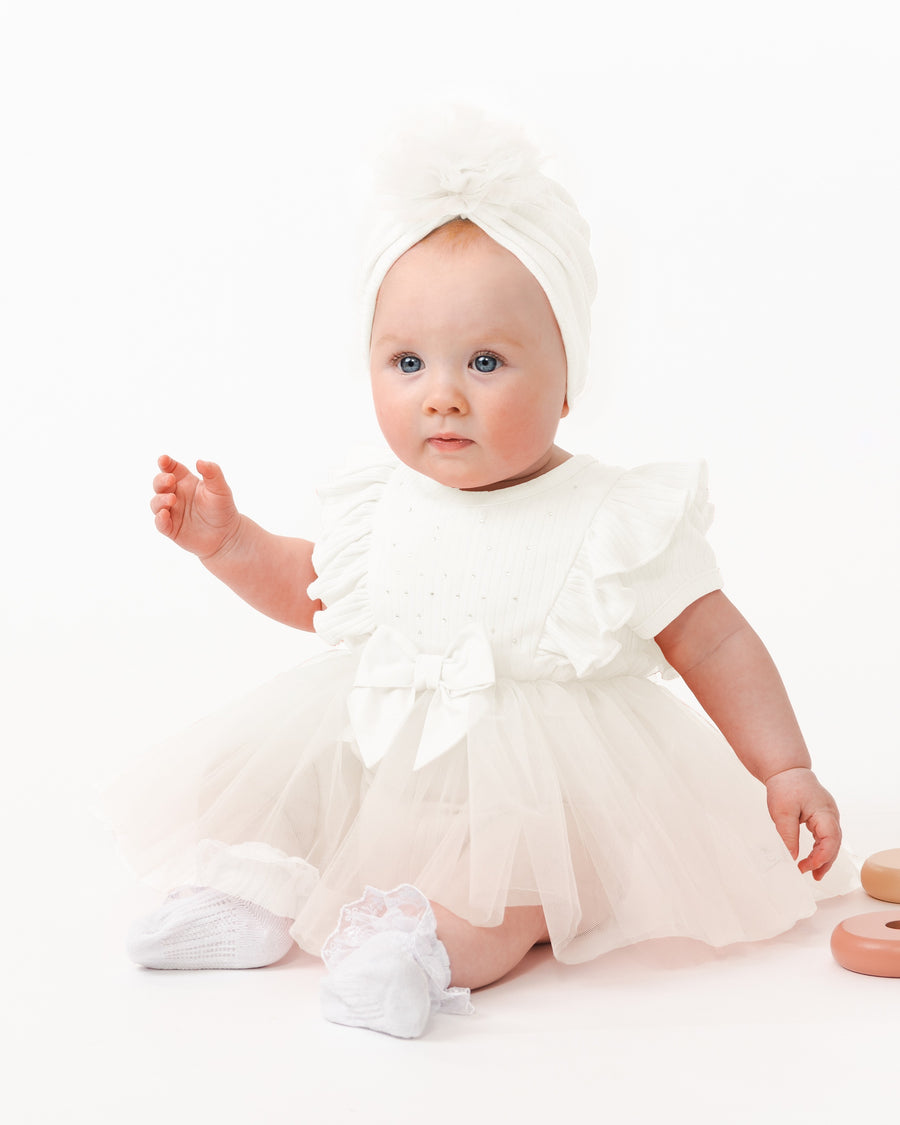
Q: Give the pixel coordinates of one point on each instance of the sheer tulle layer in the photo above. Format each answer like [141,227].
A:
[610,803]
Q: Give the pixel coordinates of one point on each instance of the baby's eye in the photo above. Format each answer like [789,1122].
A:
[486,363]
[409,364]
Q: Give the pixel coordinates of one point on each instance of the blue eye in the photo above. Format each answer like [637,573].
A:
[485,364]
[409,364]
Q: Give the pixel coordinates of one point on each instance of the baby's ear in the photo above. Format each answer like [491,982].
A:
[565,409]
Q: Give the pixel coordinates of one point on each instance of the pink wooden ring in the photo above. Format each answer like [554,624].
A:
[880,875]
[869,943]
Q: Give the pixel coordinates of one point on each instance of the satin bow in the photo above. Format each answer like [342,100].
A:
[391,675]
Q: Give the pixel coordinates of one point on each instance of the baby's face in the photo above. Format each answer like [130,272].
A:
[468,365]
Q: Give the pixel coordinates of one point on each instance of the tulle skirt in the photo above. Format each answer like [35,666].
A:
[610,803]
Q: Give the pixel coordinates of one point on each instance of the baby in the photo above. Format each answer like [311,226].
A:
[483,739]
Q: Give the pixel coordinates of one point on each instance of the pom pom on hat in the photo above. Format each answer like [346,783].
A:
[464,166]
[453,166]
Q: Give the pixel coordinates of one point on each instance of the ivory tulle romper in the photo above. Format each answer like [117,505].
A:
[488,725]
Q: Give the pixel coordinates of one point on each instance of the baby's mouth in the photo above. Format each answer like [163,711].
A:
[449,442]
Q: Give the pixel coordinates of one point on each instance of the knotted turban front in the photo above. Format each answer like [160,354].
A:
[467,167]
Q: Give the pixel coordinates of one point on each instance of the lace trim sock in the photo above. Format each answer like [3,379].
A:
[387,968]
[200,928]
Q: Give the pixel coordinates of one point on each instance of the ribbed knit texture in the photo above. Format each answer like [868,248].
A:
[200,928]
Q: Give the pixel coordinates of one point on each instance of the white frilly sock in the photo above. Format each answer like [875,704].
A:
[200,928]
[387,968]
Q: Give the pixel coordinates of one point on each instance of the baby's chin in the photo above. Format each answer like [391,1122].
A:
[468,478]
[453,477]
[450,473]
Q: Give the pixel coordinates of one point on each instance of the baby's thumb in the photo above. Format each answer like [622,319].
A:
[213,477]
[788,827]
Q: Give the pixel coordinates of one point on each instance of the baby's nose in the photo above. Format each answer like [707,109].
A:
[444,395]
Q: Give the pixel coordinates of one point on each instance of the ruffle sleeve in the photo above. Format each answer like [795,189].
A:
[340,556]
[644,559]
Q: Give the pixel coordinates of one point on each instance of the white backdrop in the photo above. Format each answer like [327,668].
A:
[179,224]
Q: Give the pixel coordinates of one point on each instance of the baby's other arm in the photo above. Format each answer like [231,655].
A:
[729,670]
[270,572]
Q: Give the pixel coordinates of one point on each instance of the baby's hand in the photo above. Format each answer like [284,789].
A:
[796,797]
[198,514]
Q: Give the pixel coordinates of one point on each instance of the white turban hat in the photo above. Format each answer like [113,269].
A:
[470,168]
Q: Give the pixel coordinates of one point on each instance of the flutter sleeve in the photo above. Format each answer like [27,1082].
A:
[682,566]
[340,557]
[644,559]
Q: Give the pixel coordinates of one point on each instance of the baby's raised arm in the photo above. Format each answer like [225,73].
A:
[734,678]
[270,572]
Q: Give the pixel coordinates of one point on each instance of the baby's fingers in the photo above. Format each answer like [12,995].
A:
[788,827]
[163,501]
[172,467]
[164,482]
[826,829]
[172,473]
[164,523]
[819,861]
[161,506]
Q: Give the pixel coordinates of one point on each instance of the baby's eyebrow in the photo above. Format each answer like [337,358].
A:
[389,338]
[486,339]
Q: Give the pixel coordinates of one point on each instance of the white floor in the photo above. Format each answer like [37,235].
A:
[773,1032]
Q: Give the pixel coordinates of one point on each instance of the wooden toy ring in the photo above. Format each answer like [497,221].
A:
[880,875]
[869,943]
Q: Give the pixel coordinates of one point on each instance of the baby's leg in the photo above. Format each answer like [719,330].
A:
[480,955]
[395,958]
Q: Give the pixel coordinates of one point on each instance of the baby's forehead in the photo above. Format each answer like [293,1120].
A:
[484,291]
[457,234]
[460,262]
[459,244]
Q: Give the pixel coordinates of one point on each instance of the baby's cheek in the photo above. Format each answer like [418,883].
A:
[510,432]
[527,428]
